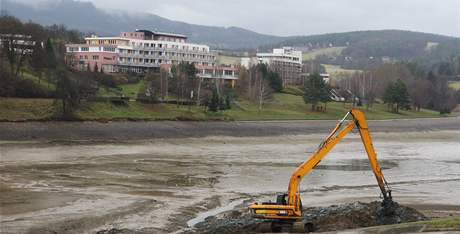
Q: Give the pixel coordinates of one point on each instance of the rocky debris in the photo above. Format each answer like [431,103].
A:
[358,214]
[332,218]
[116,231]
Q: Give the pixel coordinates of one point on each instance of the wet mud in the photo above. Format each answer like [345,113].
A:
[173,185]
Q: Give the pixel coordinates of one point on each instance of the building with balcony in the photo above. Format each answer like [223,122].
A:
[285,61]
[138,51]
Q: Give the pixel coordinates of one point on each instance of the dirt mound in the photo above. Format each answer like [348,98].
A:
[358,214]
[332,218]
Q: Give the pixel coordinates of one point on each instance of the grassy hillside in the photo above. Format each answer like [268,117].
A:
[455,85]
[226,59]
[286,106]
[127,90]
[18,109]
[335,70]
[367,49]
[330,51]
[283,107]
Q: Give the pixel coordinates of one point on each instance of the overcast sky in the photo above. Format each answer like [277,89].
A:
[303,17]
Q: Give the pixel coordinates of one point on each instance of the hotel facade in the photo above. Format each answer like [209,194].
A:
[285,61]
[143,51]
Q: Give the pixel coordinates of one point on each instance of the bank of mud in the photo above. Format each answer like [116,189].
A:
[116,131]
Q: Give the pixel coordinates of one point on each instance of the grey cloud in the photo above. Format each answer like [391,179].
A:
[303,17]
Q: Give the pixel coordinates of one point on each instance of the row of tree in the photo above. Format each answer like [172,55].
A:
[401,85]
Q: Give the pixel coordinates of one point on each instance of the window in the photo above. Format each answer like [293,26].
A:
[111,49]
[95,57]
[84,48]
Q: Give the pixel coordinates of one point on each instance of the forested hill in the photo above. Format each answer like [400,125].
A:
[85,17]
[366,47]
[361,49]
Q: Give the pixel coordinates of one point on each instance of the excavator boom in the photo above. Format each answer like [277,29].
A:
[289,206]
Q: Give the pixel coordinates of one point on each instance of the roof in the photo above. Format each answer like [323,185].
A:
[157,33]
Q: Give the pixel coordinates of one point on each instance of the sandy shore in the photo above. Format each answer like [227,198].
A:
[67,131]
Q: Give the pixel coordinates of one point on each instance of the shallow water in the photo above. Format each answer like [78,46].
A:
[161,184]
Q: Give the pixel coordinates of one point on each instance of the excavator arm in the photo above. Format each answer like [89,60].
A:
[292,208]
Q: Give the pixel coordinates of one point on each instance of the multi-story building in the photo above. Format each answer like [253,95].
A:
[20,43]
[287,62]
[138,51]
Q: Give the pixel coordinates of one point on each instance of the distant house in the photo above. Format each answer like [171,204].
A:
[21,43]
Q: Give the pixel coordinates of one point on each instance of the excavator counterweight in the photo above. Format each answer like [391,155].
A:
[288,207]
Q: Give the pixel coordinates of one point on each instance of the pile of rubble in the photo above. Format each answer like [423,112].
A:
[358,214]
[332,218]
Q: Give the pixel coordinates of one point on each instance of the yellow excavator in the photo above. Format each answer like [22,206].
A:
[288,207]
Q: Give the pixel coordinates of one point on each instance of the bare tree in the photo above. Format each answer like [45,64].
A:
[419,92]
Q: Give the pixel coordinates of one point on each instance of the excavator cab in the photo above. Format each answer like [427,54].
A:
[281,199]
[288,206]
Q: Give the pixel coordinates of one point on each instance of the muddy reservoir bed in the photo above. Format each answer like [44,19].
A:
[160,185]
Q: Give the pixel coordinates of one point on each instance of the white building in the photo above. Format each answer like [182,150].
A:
[286,61]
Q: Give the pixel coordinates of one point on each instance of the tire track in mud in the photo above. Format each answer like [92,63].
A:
[87,223]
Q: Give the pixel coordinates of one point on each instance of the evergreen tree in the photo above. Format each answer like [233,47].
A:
[228,105]
[396,96]
[51,60]
[316,90]
[222,105]
[275,81]
[38,60]
[213,104]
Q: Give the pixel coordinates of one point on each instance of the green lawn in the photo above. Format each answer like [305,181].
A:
[140,111]
[435,225]
[127,90]
[287,107]
[335,70]
[43,82]
[17,109]
[282,107]
[455,85]
[332,51]
[226,59]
